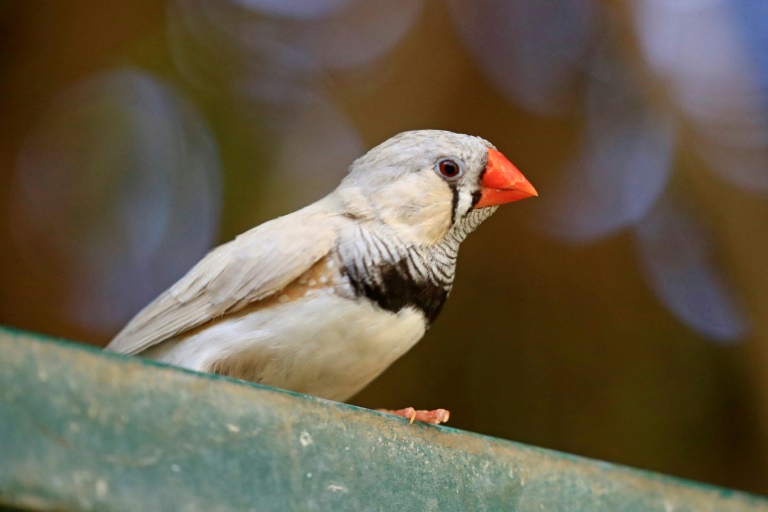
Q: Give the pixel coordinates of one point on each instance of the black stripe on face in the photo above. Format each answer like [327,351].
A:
[454,201]
[477,194]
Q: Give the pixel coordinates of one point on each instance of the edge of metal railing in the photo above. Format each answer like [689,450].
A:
[81,429]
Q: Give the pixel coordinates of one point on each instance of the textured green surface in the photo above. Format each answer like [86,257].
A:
[83,430]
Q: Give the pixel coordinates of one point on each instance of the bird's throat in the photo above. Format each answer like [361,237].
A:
[395,276]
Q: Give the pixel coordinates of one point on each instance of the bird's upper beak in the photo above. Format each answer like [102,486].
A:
[502,182]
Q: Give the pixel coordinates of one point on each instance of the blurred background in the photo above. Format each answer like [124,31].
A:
[622,315]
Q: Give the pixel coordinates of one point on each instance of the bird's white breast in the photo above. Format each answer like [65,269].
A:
[325,345]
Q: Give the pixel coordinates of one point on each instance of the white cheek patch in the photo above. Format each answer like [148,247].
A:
[419,205]
[464,205]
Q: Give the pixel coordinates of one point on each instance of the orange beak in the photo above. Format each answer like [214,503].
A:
[502,182]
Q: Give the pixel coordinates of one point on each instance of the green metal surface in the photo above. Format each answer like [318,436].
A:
[84,430]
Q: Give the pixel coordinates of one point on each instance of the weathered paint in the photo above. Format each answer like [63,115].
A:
[85,430]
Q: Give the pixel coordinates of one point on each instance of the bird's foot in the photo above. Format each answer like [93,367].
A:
[434,417]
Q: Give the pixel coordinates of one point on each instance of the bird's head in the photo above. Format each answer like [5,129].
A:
[429,183]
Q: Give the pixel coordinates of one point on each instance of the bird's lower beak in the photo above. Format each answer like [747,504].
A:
[502,182]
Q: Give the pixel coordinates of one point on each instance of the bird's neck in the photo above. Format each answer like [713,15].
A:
[465,225]
[396,275]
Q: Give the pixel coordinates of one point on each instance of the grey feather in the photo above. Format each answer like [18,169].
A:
[256,265]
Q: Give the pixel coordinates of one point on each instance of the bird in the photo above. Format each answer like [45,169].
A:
[322,300]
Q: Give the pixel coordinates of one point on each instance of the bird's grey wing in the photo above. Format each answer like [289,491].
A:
[255,265]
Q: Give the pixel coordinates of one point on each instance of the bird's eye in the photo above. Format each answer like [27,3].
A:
[449,168]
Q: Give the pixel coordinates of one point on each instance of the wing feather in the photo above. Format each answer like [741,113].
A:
[255,265]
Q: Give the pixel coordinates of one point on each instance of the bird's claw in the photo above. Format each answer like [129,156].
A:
[433,417]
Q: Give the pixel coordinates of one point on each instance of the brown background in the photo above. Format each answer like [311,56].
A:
[542,342]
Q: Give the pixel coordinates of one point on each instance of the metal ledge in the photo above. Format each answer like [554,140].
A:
[85,430]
